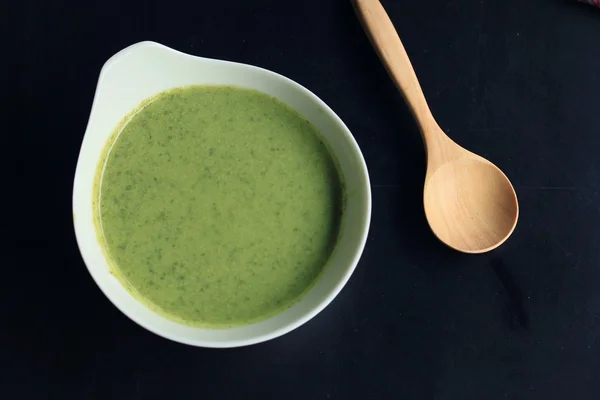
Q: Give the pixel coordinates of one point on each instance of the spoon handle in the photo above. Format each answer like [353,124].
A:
[386,41]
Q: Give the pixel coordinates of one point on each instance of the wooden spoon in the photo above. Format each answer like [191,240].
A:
[470,204]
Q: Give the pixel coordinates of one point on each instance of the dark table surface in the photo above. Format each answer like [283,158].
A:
[516,81]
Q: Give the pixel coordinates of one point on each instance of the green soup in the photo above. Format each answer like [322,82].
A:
[218,206]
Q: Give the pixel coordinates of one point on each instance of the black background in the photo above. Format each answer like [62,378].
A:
[517,81]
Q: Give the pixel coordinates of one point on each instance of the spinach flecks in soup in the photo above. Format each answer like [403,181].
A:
[219,206]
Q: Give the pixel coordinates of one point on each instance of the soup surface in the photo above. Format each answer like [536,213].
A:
[218,206]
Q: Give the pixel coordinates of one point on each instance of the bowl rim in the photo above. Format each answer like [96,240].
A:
[258,338]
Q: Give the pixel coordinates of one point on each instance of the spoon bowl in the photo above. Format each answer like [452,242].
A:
[469,203]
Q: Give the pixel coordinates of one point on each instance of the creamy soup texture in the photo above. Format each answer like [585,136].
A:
[218,206]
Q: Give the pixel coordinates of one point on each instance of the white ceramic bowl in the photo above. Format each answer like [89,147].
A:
[147,68]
